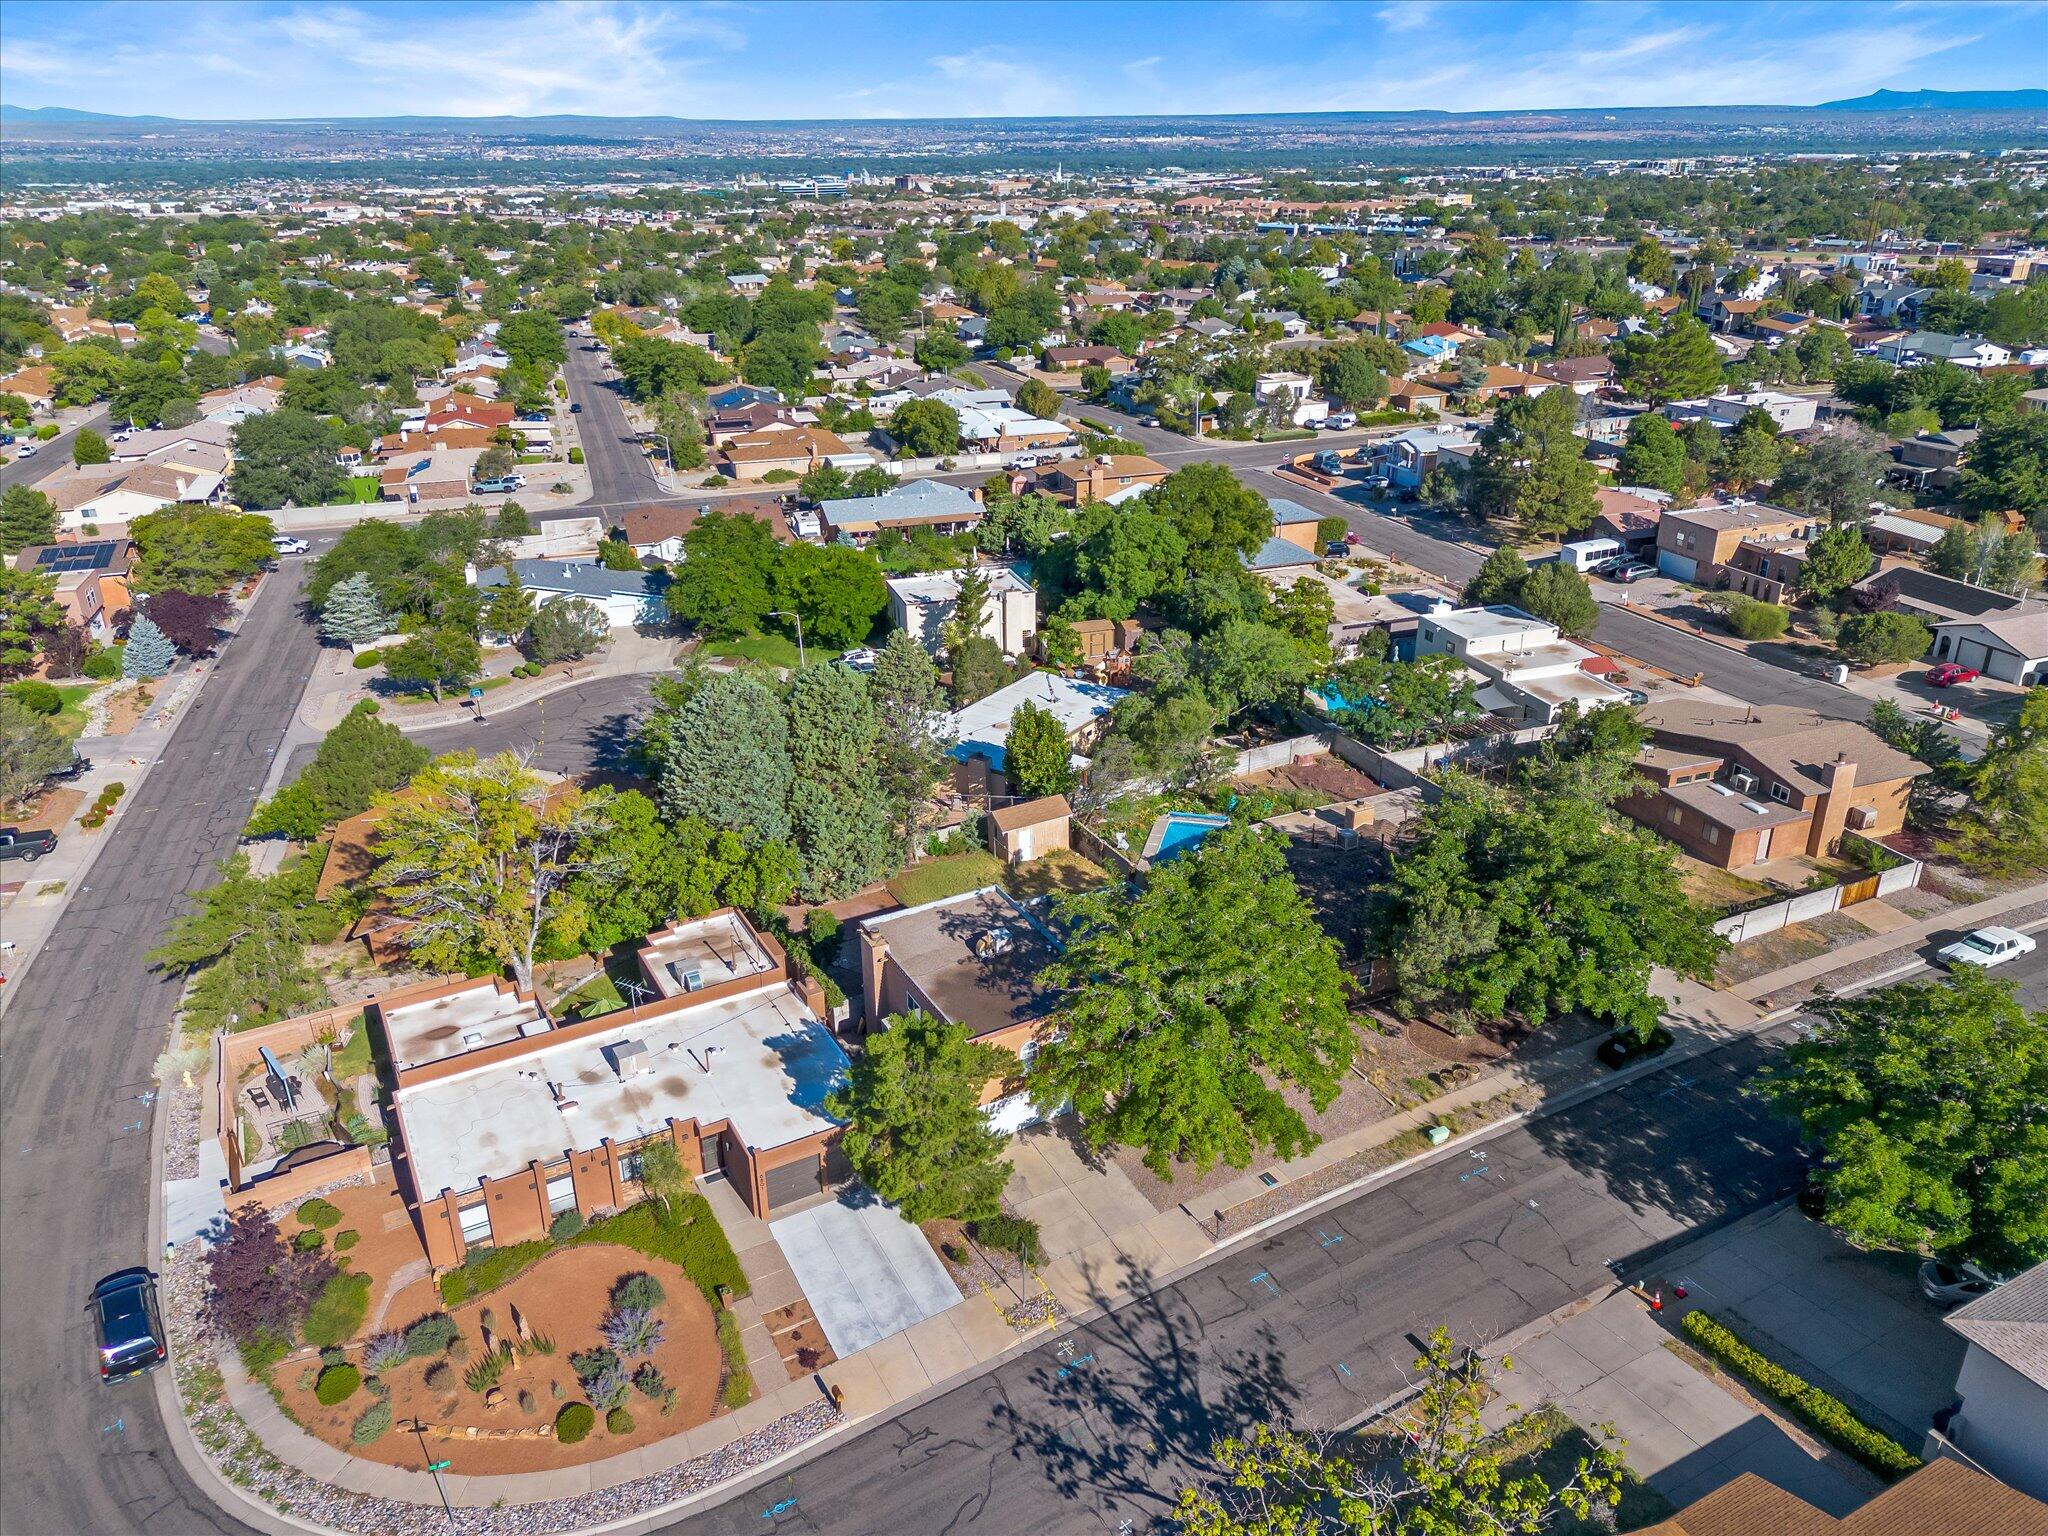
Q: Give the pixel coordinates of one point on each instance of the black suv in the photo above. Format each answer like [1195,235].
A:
[130,1329]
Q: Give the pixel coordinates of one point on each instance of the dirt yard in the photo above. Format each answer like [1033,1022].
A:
[563,1297]
[125,706]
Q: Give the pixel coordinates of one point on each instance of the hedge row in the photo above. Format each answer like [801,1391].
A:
[1826,1416]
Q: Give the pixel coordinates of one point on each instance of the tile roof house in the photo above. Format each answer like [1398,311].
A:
[795,451]
[1943,1498]
[1735,785]
[656,528]
[2001,1419]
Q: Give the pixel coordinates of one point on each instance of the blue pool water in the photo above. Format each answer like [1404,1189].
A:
[1184,829]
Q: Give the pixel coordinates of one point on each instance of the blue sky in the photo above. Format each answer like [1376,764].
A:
[935,58]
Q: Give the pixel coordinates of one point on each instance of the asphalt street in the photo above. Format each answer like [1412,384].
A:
[620,475]
[580,728]
[49,457]
[1311,1326]
[80,1039]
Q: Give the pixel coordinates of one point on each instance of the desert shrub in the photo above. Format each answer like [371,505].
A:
[739,1382]
[648,1379]
[431,1335]
[641,1290]
[487,1318]
[631,1331]
[370,1423]
[589,1364]
[105,665]
[526,1403]
[618,1422]
[1827,1416]
[484,1375]
[308,1240]
[319,1213]
[366,660]
[337,1384]
[574,1422]
[1753,620]
[343,1241]
[565,1225]
[384,1352]
[608,1390]
[1010,1234]
[339,1310]
[440,1377]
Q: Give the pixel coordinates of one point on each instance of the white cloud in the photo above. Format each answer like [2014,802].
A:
[1406,15]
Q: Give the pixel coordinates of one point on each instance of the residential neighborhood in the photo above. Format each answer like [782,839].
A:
[1019,812]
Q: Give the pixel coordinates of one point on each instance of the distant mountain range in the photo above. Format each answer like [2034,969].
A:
[2031,100]
[1942,101]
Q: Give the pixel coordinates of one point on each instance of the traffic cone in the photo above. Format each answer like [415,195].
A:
[1657,1300]
[1678,1291]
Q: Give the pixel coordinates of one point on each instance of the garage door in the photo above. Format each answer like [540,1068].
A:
[1679,567]
[1008,1115]
[793,1182]
[1973,653]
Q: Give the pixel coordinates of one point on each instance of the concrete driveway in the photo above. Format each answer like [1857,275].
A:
[866,1271]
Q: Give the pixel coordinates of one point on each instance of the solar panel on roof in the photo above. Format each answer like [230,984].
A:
[60,558]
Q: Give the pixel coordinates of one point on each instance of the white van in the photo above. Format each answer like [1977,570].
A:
[1584,554]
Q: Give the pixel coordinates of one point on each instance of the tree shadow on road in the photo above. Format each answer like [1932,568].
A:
[1691,1143]
[1129,1405]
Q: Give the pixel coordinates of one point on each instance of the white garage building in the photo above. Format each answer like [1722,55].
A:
[2013,647]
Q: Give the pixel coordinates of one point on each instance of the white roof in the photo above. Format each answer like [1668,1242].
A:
[983,727]
[758,1060]
[1496,621]
[944,586]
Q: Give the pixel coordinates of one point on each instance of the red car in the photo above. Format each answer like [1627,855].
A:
[1949,673]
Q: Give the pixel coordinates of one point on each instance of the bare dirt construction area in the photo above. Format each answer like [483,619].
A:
[509,1427]
[125,706]
[56,808]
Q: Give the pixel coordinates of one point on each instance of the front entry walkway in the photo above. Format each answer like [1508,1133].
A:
[867,1272]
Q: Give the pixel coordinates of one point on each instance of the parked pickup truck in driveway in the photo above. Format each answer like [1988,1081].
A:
[26,846]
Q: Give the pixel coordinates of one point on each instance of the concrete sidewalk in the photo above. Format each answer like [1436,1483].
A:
[629,653]
[1686,1434]
[1908,936]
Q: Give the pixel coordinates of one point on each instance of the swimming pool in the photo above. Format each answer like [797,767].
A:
[1177,831]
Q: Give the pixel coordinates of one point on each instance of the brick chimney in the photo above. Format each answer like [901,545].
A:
[1831,809]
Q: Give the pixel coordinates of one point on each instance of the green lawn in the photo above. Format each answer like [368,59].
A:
[950,876]
[358,490]
[775,650]
[70,717]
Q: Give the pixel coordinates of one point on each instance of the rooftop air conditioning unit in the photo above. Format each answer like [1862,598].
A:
[995,942]
[1743,780]
[629,1058]
[1862,816]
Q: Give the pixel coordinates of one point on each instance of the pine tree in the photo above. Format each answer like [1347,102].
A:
[27,517]
[352,613]
[149,652]
[1499,580]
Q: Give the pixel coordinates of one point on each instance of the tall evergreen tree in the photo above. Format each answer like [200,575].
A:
[352,613]
[27,517]
[727,760]
[149,652]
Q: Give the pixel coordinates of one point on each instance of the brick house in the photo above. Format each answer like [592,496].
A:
[1735,786]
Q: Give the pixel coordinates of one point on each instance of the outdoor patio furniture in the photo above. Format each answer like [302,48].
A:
[258,1097]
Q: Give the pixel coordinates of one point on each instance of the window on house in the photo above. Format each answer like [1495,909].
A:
[475,1221]
[1713,834]
[1781,794]
[1677,815]
[630,1165]
[561,1194]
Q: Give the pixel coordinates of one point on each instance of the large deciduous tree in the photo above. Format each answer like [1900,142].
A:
[1532,467]
[723,586]
[189,620]
[31,749]
[1926,1101]
[285,458]
[479,856]
[1194,1007]
[915,1132]
[1536,904]
[1037,759]
[837,589]
[1679,364]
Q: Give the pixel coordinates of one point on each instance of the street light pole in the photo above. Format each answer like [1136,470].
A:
[784,613]
[668,448]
